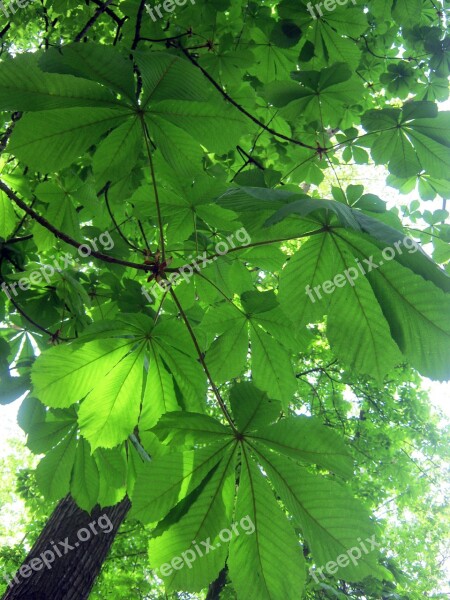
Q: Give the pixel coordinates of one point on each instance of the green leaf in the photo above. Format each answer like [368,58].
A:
[7,216]
[331,520]
[313,264]
[187,428]
[51,140]
[207,517]
[53,473]
[414,308]
[111,411]
[97,62]
[358,332]
[64,375]
[23,86]
[168,479]
[227,355]
[266,564]
[85,483]
[117,154]
[159,395]
[161,76]
[48,431]
[307,440]
[271,366]
[216,127]
[251,407]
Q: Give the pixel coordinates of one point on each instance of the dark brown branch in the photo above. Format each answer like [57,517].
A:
[63,236]
[109,12]
[241,108]
[53,336]
[16,240]
[92,20]
[5,30]
[137,31]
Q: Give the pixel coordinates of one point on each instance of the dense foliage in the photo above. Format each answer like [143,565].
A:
[277,379]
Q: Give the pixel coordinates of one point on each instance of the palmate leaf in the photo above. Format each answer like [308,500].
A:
[270,341]
[331,45]
[410,140]
[178,117]
[251,407]
[361,327]
[414,309]
[192,495]
[324,92]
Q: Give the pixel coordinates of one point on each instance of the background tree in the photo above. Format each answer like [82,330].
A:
[200,148]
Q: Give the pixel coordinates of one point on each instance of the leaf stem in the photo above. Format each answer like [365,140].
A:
[203,363]
[155,187]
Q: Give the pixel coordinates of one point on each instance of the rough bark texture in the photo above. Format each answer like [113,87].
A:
[72,575]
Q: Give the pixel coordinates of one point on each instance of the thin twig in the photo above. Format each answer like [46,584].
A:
[241,108]
[155,187]
[64,237]
[92,20]
[202,362]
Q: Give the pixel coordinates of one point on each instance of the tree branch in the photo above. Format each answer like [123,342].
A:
[92,20]
[63,236]
[241,108]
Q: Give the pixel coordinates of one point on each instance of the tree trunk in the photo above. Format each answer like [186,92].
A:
[76,563]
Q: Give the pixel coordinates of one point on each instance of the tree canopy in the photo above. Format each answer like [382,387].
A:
[209,312]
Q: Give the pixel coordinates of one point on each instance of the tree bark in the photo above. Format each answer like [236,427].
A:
[71,575]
